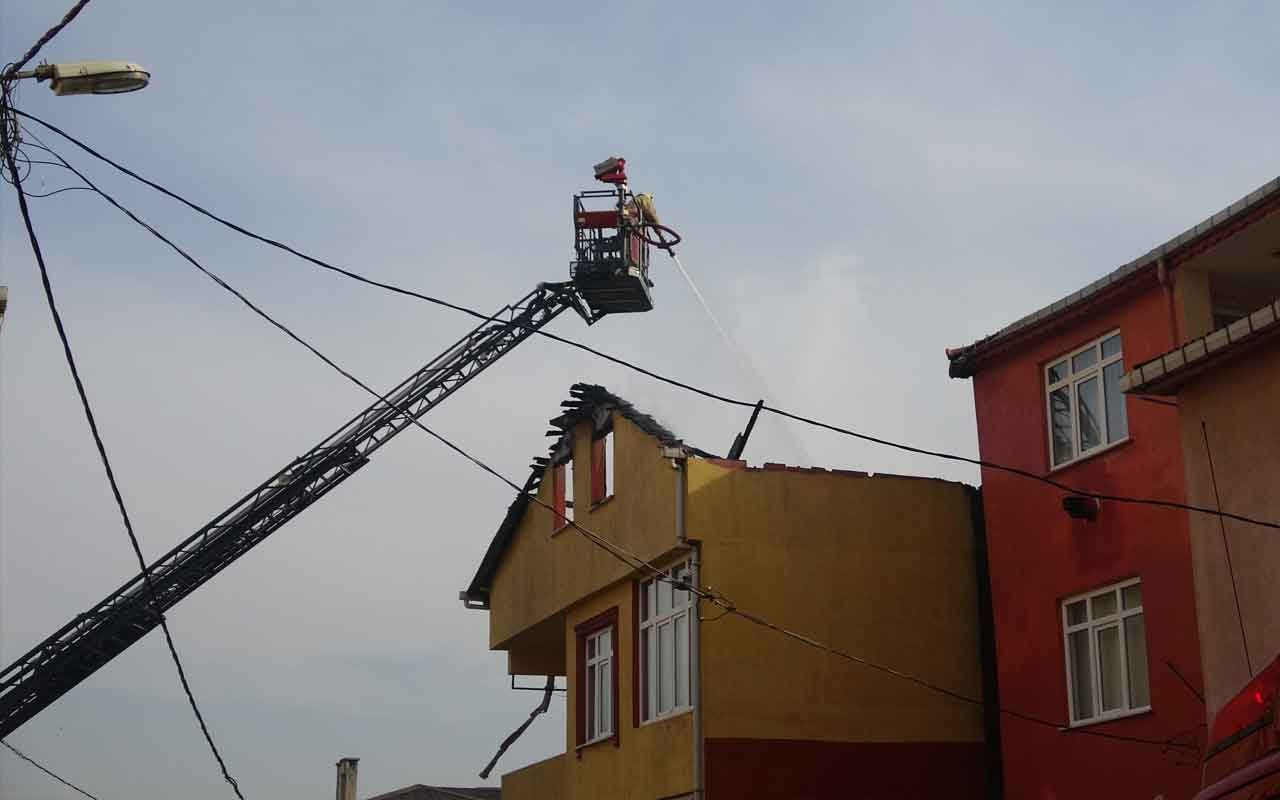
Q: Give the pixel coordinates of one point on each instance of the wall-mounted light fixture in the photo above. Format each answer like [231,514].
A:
[1081,507]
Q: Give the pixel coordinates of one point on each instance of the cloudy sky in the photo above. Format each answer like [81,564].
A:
[859,186]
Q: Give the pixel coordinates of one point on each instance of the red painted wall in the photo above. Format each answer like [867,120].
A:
[773,769]
[1039,556]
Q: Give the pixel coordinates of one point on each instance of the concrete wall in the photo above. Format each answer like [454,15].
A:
[1239,403]
[1039,556]
[880,567]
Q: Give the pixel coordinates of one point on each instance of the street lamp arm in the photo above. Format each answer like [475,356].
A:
[90,77]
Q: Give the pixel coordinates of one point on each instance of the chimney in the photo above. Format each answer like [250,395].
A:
[347,778]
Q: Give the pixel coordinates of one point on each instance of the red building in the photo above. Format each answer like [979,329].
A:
[1094,604]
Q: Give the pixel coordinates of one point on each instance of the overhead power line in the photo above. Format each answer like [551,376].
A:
[12,69]
[628,558]
[978,462]
[8,146]
[46,770]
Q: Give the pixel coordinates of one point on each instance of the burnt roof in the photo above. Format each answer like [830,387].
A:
[586,401]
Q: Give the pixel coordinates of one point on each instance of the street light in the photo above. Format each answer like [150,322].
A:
[90,77]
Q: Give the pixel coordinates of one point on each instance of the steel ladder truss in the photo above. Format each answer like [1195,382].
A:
[106,630]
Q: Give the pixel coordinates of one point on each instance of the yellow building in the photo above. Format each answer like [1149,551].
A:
[667,693]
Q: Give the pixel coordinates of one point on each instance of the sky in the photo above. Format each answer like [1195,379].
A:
[859,186]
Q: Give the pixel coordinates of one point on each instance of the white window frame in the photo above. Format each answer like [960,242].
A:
[1071,382]
[1092,625]
[603,664]
[681,609]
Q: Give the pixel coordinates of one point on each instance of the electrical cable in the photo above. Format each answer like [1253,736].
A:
[71,14]
[60,191]
[1226,547]
[6,146]
[46,770]
[628,558]
[12,69]
[978,462]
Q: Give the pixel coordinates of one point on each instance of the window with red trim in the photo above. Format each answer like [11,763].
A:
[597,690]
[602,467]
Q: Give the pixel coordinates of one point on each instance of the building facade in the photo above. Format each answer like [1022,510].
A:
[672,697]
[1095,602]
[1220,382]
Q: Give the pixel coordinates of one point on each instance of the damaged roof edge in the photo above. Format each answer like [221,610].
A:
[584,401]
[963,361]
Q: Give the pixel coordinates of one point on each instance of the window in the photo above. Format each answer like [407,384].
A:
[597,691]
[562,497]
[602,467]
[1086,406]
[1106,644]
[599,685]
[665,616]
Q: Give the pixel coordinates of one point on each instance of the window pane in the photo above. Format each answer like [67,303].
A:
[606,696]
[1060,424]
[591,647]
[1076,613]
[664,596]
[568,491]
[610,466]
[1135,641]
[1117,421]
[648,663]
[1058,372]
[591,701]
[1131,596]
[1111,347]
[682,660]
[1104,605]
[1089,414]
[1081,674]
[1110,668]
[666,667]
[1084,360]
[606,641]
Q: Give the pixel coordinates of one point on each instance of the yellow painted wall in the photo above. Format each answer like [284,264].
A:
[540,780]
[649,761]
[881,567]
[543,573]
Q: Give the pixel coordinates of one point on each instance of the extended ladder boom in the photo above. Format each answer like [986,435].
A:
[93,638]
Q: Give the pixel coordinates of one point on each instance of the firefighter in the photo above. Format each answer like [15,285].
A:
[640,210]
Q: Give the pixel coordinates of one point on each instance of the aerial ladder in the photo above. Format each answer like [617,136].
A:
[609,275]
